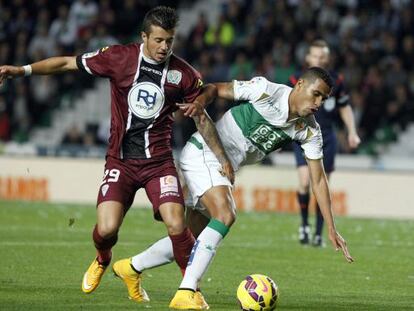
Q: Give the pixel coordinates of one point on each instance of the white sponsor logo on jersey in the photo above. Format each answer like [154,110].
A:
[174,76]
[151,70]
[168,184]
[145,100]
[104,189]
[329,104]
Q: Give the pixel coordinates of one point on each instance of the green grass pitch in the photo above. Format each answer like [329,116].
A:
[43,259]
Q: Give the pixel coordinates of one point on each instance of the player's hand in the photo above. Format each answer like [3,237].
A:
[191,109]
[340,244]
[228,171]
[9,72]
[353,140]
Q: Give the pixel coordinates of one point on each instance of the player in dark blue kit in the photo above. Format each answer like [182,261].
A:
[318,56]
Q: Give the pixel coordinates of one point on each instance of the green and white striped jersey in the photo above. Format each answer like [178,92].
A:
[259,125]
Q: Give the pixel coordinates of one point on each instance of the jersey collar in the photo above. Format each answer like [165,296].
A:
[150,60]
[285,105]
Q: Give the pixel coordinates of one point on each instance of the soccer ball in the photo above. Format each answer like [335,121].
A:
[257,292]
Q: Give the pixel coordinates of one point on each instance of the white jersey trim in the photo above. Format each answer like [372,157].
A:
[85,65]
[163,78]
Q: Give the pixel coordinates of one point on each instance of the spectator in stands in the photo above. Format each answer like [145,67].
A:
[377,95]
[200,28]
[220,69]
[195,41]
[101,38]
[361,37]
[128,18]
[41,44]
[23,112]
[23,22]
[73,136]
[4,120]
[103,131]
[63,30]
[106,14]
[83,13]
[242,68]
[89,139]
[284,68]
[221,33]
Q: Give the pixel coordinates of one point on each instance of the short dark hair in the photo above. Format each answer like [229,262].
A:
[162,16]
[313,73]
[319,43]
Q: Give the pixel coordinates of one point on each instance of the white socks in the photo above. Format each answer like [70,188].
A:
[158,254]
[203,253]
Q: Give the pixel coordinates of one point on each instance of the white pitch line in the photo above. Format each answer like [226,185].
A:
[56,244]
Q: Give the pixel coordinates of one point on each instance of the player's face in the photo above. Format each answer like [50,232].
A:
[318,57]
[311,96]
[158,43]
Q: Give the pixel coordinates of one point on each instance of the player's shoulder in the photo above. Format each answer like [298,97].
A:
[270,85]
[263,82]
[257,83]
[119,50]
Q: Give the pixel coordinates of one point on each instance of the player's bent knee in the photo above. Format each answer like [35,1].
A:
[230,219]
[175,227]
[304,186]
[227,216]
[108,229]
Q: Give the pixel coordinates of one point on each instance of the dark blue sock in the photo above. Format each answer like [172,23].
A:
[304,207]
[319,221]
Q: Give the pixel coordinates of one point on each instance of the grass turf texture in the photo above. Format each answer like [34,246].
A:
[44,256]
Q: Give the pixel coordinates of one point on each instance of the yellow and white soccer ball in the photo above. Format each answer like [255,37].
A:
[257,292]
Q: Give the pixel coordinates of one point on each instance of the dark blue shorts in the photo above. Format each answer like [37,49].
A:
[329,151]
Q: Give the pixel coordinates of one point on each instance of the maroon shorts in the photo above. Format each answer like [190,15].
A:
[122,179]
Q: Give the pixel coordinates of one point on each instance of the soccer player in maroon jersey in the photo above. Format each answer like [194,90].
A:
[147,80]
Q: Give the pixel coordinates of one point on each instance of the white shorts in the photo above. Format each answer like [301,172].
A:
[201,170]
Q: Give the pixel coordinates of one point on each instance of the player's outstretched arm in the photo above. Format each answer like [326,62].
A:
[44,67]
[196,108]
[210,91]
[225,90]
[321,190]
[209,132]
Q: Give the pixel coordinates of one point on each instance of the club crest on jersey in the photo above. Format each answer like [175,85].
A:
[174,76]
[299,125]
[145,100]
[329,104]
[104,189]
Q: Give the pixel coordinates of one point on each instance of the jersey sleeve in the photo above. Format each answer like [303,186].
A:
[341,94]
[105,62]
[312,142]
[192,85]
[251,90]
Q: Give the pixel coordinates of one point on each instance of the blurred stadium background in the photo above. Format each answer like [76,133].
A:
[67,116]
[372,44]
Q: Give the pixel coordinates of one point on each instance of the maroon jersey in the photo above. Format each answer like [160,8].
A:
[144,94]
